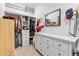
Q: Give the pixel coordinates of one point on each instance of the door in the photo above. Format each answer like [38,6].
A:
[32,29]
[7,37]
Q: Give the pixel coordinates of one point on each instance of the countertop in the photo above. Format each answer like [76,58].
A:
[65,37]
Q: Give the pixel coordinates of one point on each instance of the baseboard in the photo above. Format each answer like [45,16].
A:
[38,52]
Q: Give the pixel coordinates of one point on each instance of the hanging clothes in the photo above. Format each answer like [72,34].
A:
[40,25]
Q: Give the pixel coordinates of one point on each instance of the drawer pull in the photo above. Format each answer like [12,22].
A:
[47,40]
[59,54]
[47,55]
[59,45]
[47,47]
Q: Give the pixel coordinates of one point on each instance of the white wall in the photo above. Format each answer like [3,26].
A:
[12,10]
[4,9]
[43,9]
[1,9]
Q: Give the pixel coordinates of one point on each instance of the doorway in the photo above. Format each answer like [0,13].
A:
[17,28]
[32,29]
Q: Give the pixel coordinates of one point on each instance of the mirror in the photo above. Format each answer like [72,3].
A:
[53,18]
[73,24]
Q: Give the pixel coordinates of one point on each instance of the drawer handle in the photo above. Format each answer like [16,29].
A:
[47,47]
[59,45]
[47,40]
[59,54]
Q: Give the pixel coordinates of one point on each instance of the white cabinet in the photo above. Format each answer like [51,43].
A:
[25,31]
[25,38]
[2,10]
[49,46]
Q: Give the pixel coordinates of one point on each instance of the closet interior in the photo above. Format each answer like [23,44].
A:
[24,28]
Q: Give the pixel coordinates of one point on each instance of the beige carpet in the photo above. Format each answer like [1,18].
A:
[26,51]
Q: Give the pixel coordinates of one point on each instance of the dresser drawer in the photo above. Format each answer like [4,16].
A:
[40,38]
[47,50]
[48,41]
[61,45]
[37,47]
[44,50]
[37,37]
[59,52]
[52,51]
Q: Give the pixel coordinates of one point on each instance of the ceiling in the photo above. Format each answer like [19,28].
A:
[33,5]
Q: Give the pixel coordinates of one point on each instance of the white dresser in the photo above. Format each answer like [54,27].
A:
[54,45]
